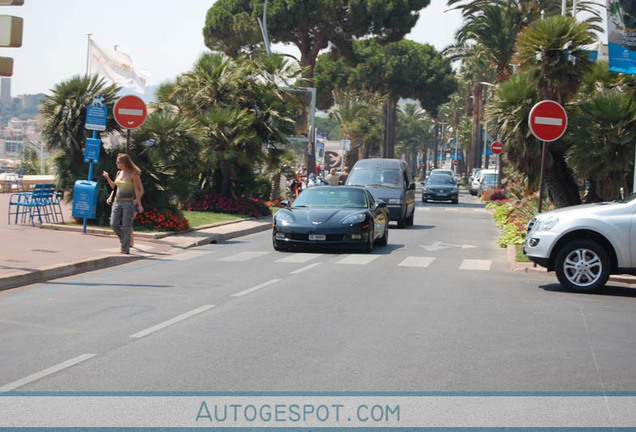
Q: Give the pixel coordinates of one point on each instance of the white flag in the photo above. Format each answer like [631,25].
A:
[116,67]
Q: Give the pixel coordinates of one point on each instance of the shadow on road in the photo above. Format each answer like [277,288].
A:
[608,291]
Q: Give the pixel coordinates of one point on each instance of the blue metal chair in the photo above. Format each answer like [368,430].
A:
[43,202]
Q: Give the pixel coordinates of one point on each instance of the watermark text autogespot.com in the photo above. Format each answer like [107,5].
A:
[297,413]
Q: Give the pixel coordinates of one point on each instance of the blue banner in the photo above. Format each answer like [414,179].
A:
[621,30]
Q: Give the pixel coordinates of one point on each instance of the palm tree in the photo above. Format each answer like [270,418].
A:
[230,143]
[360,118]
[602,136]
[511,106]
[171,162]
[553,52]
[63,114]
[414,132]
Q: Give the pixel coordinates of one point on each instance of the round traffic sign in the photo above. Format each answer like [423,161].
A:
[130,112]
[548,120]
[497,147]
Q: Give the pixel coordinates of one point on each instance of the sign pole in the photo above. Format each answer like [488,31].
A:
[541,177]
[127,140]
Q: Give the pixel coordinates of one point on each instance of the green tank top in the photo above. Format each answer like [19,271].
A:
[125,190]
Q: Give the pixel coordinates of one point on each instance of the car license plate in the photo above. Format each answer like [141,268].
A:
[317,237]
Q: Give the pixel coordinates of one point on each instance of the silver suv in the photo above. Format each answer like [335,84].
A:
[585,244]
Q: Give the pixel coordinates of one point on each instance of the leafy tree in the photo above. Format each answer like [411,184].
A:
[310,25]
[400,69]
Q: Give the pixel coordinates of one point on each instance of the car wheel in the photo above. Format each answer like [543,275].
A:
[455,201]
[277,245]
[583,266]
[382,241]
[424,200]
[368,247]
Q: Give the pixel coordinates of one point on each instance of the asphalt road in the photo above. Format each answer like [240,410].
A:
[435,310]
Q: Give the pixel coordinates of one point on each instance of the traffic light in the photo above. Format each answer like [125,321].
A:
[10,35]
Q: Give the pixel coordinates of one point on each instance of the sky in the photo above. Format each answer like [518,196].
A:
[163,37]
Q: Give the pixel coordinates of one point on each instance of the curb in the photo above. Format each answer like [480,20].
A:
[56,271]
[516,266]
[65,269]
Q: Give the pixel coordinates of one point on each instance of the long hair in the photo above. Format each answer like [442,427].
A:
[128,163]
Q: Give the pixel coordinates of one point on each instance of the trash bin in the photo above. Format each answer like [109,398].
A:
[85,195]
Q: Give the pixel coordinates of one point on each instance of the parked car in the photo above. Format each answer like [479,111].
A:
[584,244]
[474,185]
[332,216]
[488,181]
[389,181]
[441,188]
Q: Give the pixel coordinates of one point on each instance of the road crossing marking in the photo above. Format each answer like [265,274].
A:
[256,288]
[46,372]
[413,261]
[358,259]
[482,265]
[299,258]
[174,320]
[186,256]
[243,256]
[310,266]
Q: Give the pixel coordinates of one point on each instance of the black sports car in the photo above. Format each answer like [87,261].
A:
[332,216]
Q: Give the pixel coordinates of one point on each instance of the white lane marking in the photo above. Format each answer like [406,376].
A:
[243,256]
[186,256]
[128,111]
[46,372]
[550,121]
[256,288]
[475,265]
[417,262]
[300,270]
[358,259]
[299,258]
[171,321]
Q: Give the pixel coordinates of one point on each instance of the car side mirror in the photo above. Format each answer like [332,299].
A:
[412,186]
[284,203]
[380,204]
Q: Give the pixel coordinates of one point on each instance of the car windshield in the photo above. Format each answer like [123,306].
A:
[441,180]
[489,179]
[375,177]
[331,197]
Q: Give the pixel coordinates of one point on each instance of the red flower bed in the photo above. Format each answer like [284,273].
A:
[161,220]
[214,202]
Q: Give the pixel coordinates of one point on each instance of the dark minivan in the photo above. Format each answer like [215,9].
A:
[389,181]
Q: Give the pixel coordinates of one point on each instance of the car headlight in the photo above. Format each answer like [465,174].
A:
[284,218]
[545,224]
[354,218]
[395,201]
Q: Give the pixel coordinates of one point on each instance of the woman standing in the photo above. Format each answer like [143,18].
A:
[126,200]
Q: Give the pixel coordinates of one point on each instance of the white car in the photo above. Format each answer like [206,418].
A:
[584,244]
[474,185]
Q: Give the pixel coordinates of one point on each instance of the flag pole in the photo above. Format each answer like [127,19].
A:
[88,52]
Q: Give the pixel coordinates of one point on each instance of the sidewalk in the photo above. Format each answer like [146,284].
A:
[34,254]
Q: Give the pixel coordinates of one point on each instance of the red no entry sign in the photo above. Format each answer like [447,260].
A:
[548,121]
[497,147]
[130,112]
